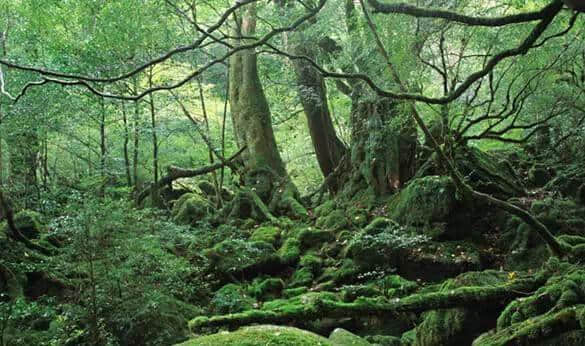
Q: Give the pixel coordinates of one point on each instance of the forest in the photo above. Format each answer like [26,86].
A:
[292,172]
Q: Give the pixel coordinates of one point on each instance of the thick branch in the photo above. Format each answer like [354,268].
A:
[411,10]
[175,173]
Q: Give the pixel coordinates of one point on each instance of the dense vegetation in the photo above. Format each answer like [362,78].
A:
[291,172]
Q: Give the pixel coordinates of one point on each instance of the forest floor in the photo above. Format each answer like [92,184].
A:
[417,268]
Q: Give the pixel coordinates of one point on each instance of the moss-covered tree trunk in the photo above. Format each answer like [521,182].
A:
[265,171]
[383,145]
[313,95]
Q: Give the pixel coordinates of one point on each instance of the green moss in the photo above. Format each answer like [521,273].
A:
[312,262]
[29,223]
[381,244]
[325,208]
[261,335]
[235,256]
[384,340]
[312,237]
[231,298]
[293,292]
[396,286]
[290,251]
[268,234]
[267,289]
[342,337]
[424,200]
[301,277]
[190,208]
[489,172]
[335,220]
[560,327]
[346,271]
[459,326]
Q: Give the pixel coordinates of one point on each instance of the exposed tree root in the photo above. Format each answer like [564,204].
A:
[15,232]
[324,307]
[537,330]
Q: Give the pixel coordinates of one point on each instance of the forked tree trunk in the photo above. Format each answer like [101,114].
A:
[265,170]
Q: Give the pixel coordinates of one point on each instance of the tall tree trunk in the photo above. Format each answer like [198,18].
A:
[383,137]
[265,170]
[125,145]
[313,95]
[153,129]
[103,146]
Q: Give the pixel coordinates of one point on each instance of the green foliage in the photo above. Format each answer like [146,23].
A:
[231,298]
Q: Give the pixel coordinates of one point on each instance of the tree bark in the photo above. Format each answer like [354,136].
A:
[313,95]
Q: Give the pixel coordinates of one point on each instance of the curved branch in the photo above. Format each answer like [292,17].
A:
[175,173]
[414,11]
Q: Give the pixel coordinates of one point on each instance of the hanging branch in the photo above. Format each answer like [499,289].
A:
[557,249]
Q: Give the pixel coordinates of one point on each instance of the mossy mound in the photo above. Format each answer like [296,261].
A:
[290,252]
[266,289]
[342,337]
[261,335]
[460,326]
[268,234]
[28,223]
[190,208]
[238,257]
[162,323]
[489,172]
[231,298]
[423,201]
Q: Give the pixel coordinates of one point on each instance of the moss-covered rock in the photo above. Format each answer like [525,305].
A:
[336,220]
[311,237]
[460,326]
[163,322]
[234,257]
[29,224]
[423,201]
[489,172]
[396,286]
[381,244]
[290,252]
[435,261]
[312,262]
[267,289]
[261,335]
[190,208]
[231,298]
[268,234]
[346,271]
[384,340]
[342,337]
[293,292]
[301,277]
